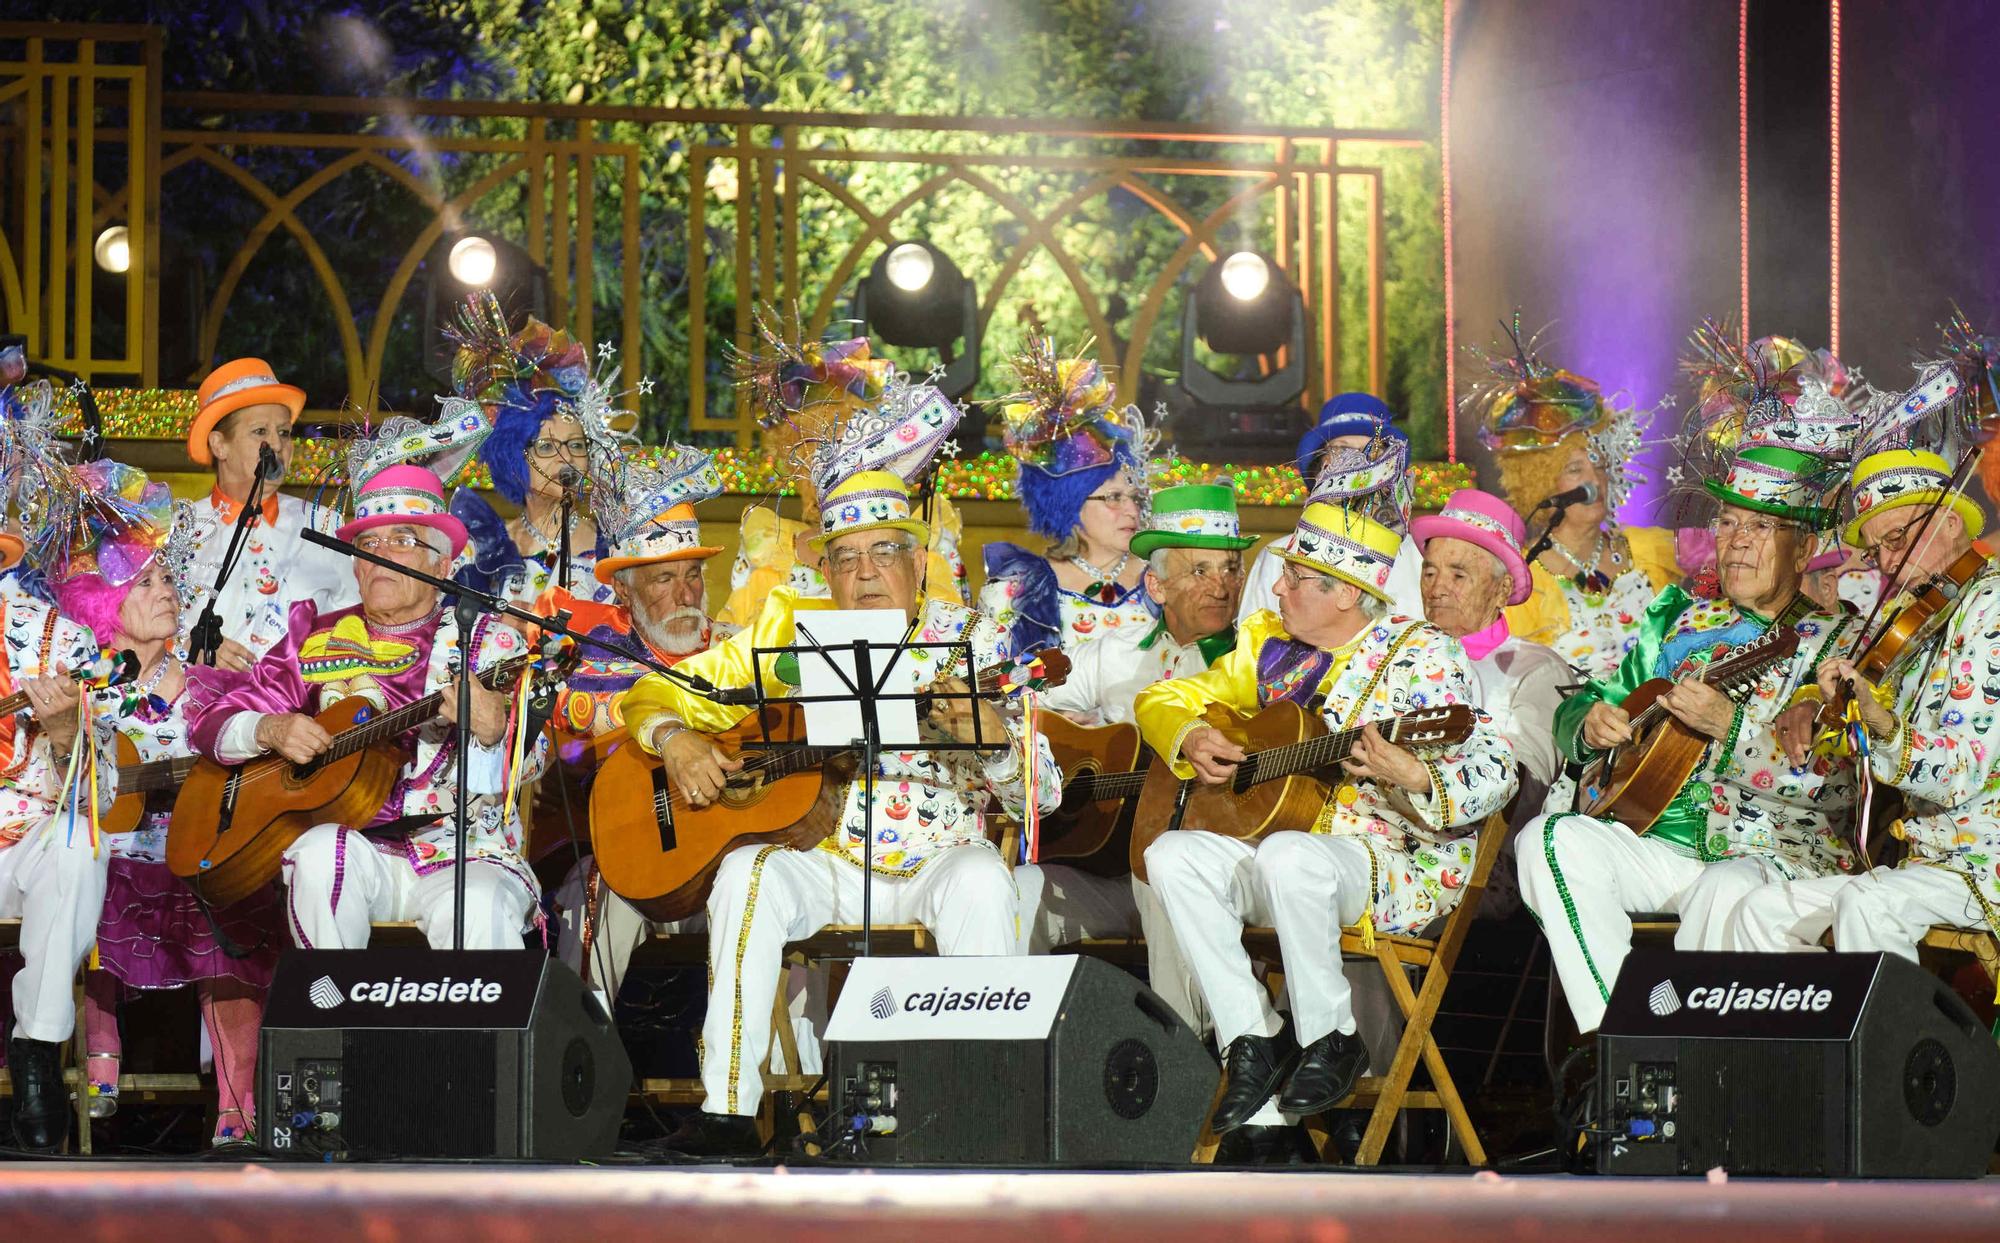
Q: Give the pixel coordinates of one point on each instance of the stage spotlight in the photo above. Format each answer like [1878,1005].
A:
[1244,306]
[473,261]
[114,250]
[916,298]
[468,263]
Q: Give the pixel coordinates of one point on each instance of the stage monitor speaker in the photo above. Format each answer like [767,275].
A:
[1012,1060]
[427,1053]
[1824,1065]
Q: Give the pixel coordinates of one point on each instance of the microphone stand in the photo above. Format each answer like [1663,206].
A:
[205,640]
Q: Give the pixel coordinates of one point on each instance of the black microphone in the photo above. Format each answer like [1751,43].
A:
[1581,494]
[569,476]
[269,468]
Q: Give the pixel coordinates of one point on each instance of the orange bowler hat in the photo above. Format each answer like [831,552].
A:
[236,385]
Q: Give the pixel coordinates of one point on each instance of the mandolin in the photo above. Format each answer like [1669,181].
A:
[1280,783]
[661,855]
[233,822]
[1103,768]
[1635,783]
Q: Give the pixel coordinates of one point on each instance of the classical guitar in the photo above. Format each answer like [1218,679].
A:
[661,855]
[1103,768]
[143,787]
[233,822]
[1634,783]
[1282,782]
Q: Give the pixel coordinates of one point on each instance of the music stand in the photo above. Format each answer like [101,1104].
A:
[865,687]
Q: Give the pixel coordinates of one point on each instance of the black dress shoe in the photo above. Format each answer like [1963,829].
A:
[1326,1073]
[716,1135]
[1265,1145]
[41,1102]
[1256,1065]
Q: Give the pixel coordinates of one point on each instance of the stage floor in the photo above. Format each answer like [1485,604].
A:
[164,1203]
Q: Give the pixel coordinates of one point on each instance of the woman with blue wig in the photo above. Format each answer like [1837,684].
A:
[1083,485]
[552,422]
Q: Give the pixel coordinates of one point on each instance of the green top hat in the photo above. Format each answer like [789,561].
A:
[1194,515]
[1772,479]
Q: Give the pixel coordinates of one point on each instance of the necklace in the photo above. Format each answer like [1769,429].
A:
[541,538]
[159,674]
[1588,577]
[1104,583]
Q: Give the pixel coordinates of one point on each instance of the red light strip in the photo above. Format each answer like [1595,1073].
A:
[1450,317]
[1743,161]
[1833,185]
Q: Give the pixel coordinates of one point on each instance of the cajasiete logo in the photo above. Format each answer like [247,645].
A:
[1734,998]
[399,991]
[882,1004]
[950,1000]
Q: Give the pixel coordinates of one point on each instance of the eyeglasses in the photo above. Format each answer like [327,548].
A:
[549,448]
[1895,541]
[1726,529]
[1295,577]
[882,555]
[390,545]
[1211,573]
[1118,500]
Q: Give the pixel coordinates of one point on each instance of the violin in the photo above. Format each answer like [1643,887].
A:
[1922,607]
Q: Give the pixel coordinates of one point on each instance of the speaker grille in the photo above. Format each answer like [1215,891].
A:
[1930,1081]
[1131,1079]
[431,1093]
[579,1077]
[1752,1107]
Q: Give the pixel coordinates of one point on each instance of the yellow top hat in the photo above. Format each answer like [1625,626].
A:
[1904,477]
[870,500]
[1346,545]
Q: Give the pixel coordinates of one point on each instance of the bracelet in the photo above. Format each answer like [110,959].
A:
[666,732]
[1895,731]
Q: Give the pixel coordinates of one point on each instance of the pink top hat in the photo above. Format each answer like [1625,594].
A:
[403,495]
[1484,519]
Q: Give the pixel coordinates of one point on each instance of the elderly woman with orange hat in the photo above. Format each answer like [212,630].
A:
[243,424]
[396,647]
[1392,850]
[1552,432]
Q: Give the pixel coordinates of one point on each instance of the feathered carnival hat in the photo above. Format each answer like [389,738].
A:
[647,515]
[1774,424]
[1525,404]
[1067,436]
[525,378]
[859,435]
[1911,443]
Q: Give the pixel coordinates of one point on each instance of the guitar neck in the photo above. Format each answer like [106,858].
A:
[154,775]
[1310,755]
[399,721]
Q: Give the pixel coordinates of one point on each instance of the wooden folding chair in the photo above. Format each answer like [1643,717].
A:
[1432,957]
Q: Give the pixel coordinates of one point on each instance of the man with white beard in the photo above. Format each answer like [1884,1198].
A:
[656,573]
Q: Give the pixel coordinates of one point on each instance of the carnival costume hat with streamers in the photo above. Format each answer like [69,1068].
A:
[105,524]
[1483,519]
[648,516]
[399,473]
[1527,404]
[1774,425]
[522,379]
[1193,515]
[1346,414]
[237,385]
[1373,480]
[1901,478]
[1068,436]
[1353,548]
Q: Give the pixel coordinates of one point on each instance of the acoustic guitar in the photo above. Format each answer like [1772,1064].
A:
[1103,768]
[143,787]
[661,855]
[233,823]
[1279,784]
[1634,783]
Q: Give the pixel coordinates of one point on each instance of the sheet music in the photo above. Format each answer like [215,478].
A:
[837,722]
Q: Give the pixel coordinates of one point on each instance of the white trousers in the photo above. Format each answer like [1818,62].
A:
[1304,885]
[1888,910]
[337,884]
[765,896]
[1584,878]
[1062,905]
[52,884]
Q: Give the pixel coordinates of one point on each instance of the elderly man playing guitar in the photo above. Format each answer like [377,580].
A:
[397,647]
[933,863]
[1388,849]
[1748,814]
